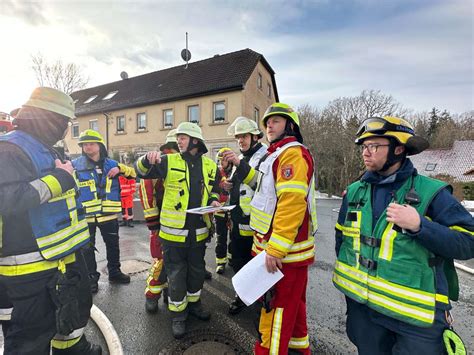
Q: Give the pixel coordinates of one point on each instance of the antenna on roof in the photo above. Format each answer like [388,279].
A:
[185,53]
[124,75]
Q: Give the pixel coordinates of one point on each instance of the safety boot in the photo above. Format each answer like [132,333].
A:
[130,223]
[236,306]
[178,324]
[82,347]
[123,223]
[207,275]
[197,310]
[151,305]
[119,278]
[220,269]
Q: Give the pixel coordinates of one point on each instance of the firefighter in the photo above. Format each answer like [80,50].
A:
[100,195]
[189,179]
[247,134]
[43,276]
[221,219]
[127,191]
[396,237]
[283,216]
[151,197]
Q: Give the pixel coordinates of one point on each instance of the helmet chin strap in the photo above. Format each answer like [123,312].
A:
[392,158]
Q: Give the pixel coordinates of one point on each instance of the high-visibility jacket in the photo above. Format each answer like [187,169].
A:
[176,198]
[283,209]
[381,265]
[101,199]
[246,193]
[127,186]
[58,226]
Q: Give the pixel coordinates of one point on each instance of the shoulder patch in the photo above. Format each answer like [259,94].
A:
[287,171]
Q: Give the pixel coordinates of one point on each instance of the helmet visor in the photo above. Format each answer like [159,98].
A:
[377,125]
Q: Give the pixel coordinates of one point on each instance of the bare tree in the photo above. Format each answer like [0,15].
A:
[67,77]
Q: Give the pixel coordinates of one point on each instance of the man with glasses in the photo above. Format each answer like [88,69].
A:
[396,237]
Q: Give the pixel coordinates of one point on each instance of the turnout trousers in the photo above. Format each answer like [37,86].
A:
[185,267]
[156,281]
[283,325]
[109,231]
[241,248]
[374,333]
[222,232]
[33,326]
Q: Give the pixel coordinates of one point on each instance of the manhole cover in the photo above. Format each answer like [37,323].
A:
[205,342]
[132,267]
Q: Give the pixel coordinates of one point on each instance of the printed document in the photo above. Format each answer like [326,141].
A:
[253,280]
[210,209]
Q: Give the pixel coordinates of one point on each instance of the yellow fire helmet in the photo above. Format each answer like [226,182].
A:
[280,109]
[90,136]
[219,153]
[394,127]
[52,100]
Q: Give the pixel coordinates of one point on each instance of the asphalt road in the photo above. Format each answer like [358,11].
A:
[141,333]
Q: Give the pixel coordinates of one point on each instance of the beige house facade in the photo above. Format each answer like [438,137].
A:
[244,87]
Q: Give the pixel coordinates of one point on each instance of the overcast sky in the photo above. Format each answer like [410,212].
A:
[420,52]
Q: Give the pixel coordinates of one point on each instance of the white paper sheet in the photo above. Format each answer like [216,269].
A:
[209,209]
[253,280]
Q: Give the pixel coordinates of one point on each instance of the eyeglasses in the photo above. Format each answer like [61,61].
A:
[372,148]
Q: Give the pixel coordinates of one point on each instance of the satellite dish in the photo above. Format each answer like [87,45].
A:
[124,75]
[186,55]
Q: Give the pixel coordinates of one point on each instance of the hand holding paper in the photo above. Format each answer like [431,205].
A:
[253,280]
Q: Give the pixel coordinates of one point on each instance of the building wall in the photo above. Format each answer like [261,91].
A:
[237,103]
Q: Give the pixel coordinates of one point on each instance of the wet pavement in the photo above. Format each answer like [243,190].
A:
[142,333]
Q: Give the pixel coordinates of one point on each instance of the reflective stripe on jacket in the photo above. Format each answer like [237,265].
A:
[283,209]
[98,197]
[381,265]
[58,226]
[176,198]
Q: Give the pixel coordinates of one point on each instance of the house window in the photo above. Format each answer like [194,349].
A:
[269,90]
[430,166]
[256,114]
[94,124]
[219,111]
[90,99]
[141,121]
[120,124]
[168,118]
[75,130]
[110,95]
[259,80]
[193,114]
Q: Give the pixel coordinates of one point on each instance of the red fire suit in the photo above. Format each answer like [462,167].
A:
[289,237]
[127,190]
[151,197]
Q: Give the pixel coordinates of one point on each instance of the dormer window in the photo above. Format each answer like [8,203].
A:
[110,95]
[90,99]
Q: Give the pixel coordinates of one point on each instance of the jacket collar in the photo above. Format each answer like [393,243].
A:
[281,143]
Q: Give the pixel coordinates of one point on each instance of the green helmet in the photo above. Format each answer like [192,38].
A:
[90,136]
[52,100]
[243,125]
[190,129]
[280,109]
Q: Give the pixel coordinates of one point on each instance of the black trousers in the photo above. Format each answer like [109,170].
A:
[109,231]
[33,320]
[222,233]
[241,248]
[185,268]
